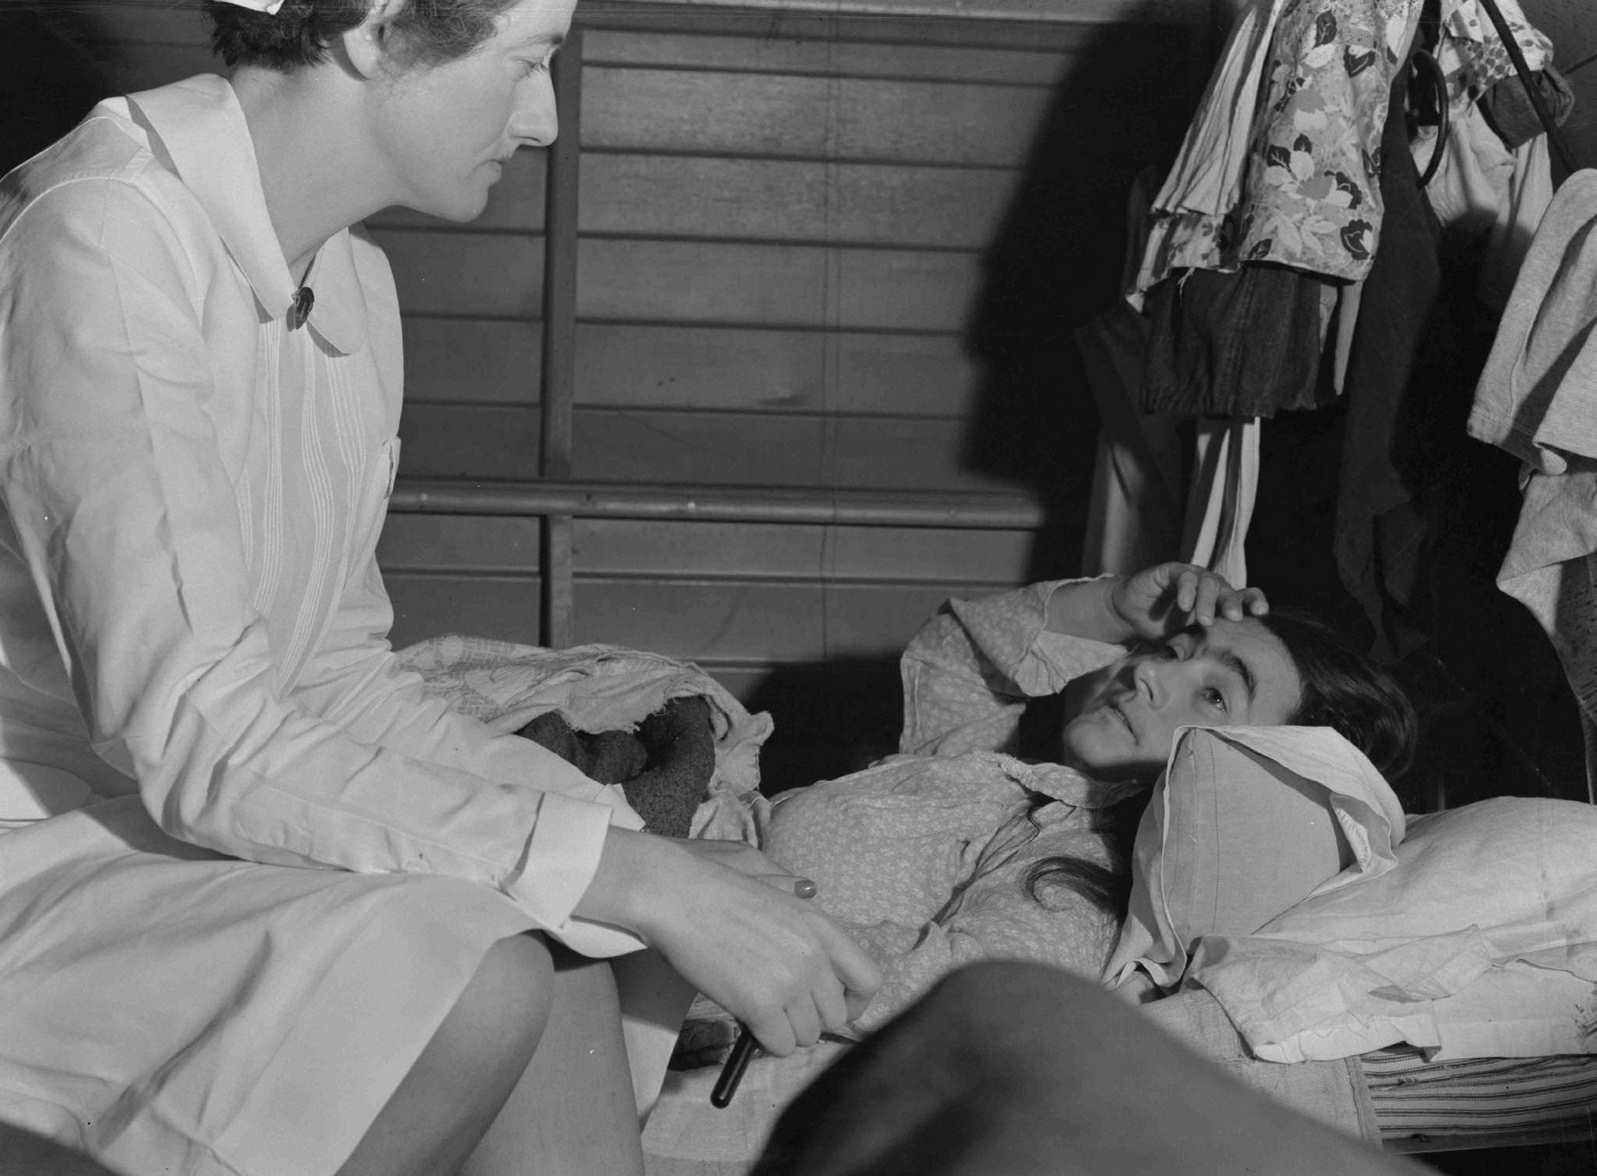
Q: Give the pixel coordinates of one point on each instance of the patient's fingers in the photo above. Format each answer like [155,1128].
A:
[1187,582]
[775,1033]
[1204,596]
[831,1002]
[852,964]
[854,1003]
[1236,604]
[805,1019]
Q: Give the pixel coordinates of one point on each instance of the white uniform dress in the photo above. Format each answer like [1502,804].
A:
[247,866]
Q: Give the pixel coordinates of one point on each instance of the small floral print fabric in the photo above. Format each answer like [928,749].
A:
[1311,193]
[924,857]
[1473,57]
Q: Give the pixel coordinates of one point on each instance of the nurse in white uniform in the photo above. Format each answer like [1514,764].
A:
[265,908]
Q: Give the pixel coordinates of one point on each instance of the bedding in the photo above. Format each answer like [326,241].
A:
[1393,1096]
[1480,941]
[599,688]
[1243,823]
[1302,799]
[1479,1102]
[1512,876]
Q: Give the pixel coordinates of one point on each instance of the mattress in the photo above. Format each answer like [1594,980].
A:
[1391,1096]
[1480,1102]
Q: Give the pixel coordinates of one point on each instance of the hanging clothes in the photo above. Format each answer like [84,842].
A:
[1534,400]
[1375,547]
[1139,512]
[1493,175]
[1309,196]
[1204,183]
[1271,256]
[1472,55]
[1204,356]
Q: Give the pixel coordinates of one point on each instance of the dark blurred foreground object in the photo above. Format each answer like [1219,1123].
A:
[1013,1069]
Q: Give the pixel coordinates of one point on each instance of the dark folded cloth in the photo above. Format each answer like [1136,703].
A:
[1205,356]
[1510,112]
[664,767]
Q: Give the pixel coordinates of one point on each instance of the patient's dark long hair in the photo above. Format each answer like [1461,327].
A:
[1342,689]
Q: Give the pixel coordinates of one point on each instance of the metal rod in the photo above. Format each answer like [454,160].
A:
[557,392]
[734,504]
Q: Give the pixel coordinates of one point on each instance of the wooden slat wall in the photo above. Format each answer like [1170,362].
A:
[781,241]
[785,223]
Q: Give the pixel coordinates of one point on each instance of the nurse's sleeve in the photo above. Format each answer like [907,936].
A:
[354,680]
[969,671]
[111,472]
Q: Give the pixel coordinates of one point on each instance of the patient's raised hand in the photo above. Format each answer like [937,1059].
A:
[1169,597]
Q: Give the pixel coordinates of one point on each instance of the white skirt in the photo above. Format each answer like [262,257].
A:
[169,1010]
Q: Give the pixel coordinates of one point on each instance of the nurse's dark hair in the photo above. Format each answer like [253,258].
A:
[1342,689]
[421,32]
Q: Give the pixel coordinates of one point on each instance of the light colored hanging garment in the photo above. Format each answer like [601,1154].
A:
[1134,511]
[1205,182]
[1225,482]
[1537,399]
[1138,513]
[1317,89]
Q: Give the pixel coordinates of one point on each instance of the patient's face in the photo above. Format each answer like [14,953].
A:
[1232,674]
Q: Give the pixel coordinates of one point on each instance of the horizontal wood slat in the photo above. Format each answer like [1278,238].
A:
[465,274]
[968,13]
[481,544]
[127,18]
[759,623]
[459,361]
[793,200]
[705,282]
[514,203]
[770,285]
[830,51]
[491,442]
[760,370]
[789,116]
[466,360]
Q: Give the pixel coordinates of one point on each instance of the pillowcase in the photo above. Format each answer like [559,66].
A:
[1481,942]
[1243,824]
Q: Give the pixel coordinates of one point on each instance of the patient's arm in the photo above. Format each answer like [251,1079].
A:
[969,671]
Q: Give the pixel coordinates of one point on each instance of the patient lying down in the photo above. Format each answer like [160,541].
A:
[997,832]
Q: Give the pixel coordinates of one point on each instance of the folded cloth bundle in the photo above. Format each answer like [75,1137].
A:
[664,767]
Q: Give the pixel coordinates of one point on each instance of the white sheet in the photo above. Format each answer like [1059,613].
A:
[1481,942]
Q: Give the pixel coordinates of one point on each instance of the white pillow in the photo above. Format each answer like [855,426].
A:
[1243,824]
[1481,942]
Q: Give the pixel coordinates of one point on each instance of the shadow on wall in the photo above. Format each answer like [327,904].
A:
[48,78]
[833,717]
[1056,263]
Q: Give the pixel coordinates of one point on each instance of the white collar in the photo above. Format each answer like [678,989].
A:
[200,128]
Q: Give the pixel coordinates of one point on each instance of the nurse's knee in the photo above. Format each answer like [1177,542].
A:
[500,1017]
